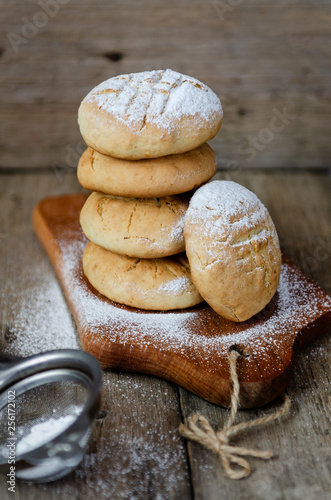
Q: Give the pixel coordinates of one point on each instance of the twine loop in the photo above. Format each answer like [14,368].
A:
[199,429]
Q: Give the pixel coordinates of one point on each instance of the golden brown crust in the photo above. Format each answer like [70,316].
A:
[166,176]
[152,284]
[138,227]
[233,249]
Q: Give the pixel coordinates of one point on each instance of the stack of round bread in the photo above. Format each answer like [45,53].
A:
[147,152]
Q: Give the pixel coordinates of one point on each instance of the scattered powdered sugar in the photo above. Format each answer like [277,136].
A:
[41,319]
[145,461]
[295,305]
[156,97]
[143,455]
[94,311]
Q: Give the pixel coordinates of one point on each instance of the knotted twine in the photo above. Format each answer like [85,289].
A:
[199,429]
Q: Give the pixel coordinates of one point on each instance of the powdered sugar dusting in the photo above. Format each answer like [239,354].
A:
[177,285]
[143,455]
[294,306]
[227,196]
[156,97]
[225,206]
[40,315]
[97,312]
[177,230]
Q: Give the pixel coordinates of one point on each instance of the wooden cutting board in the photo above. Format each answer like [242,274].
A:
[189,347]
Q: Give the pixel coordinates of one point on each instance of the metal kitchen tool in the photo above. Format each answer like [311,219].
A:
[47,406]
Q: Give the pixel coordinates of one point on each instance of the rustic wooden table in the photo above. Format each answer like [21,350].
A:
[136,451]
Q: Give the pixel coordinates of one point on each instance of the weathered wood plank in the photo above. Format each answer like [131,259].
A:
[257,57]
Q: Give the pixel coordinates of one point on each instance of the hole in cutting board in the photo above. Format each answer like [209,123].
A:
[241,349]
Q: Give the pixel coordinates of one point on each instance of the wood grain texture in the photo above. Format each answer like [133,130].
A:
[136,451]
[257,56]
[189,347]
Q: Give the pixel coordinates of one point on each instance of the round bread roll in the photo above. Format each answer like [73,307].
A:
[233,249]
[138,227]
[172,174]
[149,114]
[154,284]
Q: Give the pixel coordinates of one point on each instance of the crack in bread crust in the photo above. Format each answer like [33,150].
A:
[92,159]
[131,215]
[171,271]
[101,206]
[143,238]
[134,265]
[246,238]
[141,228]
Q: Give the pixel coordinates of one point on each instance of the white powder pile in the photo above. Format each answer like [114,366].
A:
[157,97]
[44,431]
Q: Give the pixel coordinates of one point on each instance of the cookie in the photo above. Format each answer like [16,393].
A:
[233,249]
[152,284]
[149,114]
[169,175]
[138,227]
